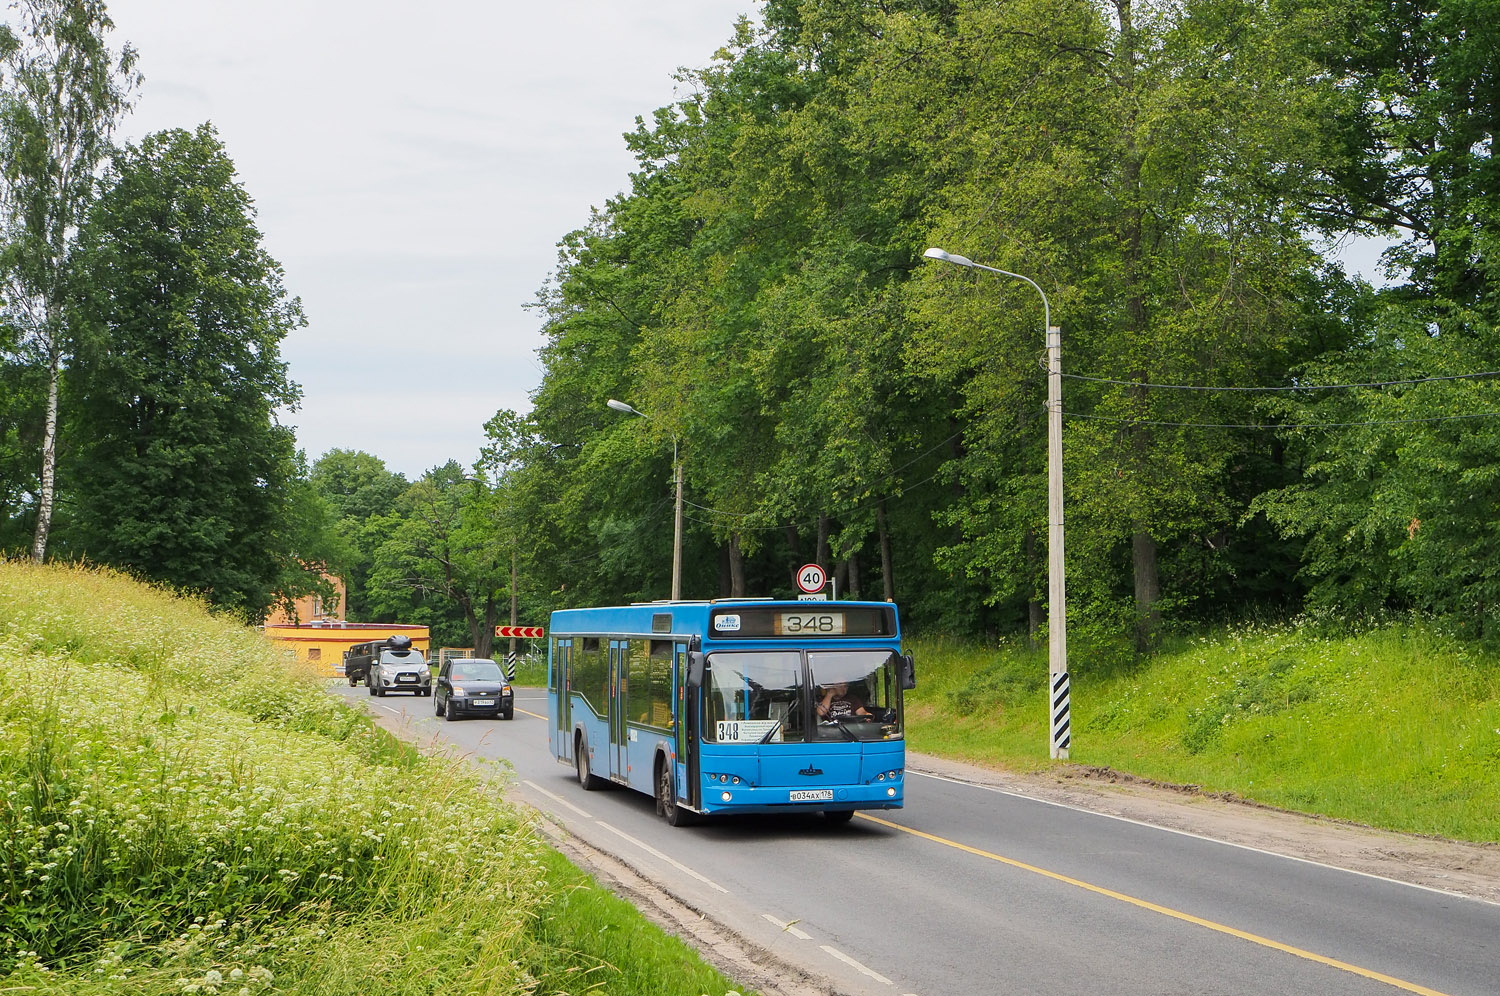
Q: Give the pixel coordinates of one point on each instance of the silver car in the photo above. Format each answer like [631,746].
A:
[400,671]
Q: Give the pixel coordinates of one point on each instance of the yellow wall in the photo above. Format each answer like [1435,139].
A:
[325,645]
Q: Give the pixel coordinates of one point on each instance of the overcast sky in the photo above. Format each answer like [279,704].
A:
[414,166]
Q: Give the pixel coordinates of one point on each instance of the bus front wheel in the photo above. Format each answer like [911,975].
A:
[666,797]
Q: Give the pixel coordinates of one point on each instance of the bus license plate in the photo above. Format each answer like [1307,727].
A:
[811,795]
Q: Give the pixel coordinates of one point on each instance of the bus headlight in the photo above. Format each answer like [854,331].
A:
[726,796]
[891,791]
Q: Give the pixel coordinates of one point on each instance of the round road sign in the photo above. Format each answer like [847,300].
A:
[810,578]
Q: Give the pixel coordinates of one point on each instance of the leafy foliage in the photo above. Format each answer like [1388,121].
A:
[178,314]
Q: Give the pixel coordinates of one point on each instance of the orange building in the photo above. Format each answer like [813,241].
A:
[323,642]
[311,608]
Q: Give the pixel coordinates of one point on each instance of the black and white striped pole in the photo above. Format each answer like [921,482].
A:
[1059,720]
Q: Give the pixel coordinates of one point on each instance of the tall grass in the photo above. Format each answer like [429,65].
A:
[1398,727]
[181,811]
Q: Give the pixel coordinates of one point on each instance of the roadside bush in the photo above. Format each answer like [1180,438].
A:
[184,812]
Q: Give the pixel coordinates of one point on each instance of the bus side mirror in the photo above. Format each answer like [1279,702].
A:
[695,669]
[908,672]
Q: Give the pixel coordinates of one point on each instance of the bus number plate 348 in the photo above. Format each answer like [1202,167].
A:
[809,795]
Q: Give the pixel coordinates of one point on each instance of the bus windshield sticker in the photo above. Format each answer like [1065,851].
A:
[745,731]
[727,623]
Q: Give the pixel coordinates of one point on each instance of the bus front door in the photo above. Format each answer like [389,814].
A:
[688,698]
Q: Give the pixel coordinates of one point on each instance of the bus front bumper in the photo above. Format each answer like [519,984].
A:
[722,797]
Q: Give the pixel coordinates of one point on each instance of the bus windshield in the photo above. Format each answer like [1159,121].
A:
[855,694]
[754,697]
[757,696]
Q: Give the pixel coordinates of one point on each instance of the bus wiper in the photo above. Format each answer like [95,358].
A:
[841,728]
[770,733]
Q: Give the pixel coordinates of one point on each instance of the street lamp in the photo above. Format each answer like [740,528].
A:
[1057,614]
[621,406]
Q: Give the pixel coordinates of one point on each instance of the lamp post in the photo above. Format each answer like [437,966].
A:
[1057,610]
[621,406]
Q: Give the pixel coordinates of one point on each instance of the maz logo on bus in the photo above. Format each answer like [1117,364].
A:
[727,623]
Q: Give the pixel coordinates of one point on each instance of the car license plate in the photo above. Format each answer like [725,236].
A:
[406,677]
[480,702]
[811,795]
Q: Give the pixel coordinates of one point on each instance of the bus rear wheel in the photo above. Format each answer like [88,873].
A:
[586,777]
[836,816]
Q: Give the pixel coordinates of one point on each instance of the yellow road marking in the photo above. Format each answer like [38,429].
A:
[1410,987]
[527,712]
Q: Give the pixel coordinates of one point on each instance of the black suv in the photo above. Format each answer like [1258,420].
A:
[473,686]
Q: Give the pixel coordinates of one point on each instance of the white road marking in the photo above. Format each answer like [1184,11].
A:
[557,798]
[862,969]
[671,861]
[799,934]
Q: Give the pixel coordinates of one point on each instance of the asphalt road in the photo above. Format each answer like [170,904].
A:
[974,890]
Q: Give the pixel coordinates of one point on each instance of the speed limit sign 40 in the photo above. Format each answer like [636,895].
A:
[810,578]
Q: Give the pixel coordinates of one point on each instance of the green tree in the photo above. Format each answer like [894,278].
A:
[61,94]
[360,491]
[182,471]
[1147,169]
[443,560]
[1398,499]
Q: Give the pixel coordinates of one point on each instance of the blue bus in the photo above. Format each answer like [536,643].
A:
[733,706]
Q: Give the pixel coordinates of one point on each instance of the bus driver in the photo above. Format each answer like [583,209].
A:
[837,703]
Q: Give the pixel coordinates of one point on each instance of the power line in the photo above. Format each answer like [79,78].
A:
[1300,387]
[1278,428]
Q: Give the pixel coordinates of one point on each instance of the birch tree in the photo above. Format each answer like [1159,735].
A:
[63,90]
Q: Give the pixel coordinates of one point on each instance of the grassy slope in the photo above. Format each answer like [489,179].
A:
[178,814]
[1397,728]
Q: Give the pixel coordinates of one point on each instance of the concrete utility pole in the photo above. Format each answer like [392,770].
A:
[1060,724]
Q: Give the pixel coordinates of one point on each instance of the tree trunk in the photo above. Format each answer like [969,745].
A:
[484,636]
[1034,615]
[854,583]
[794,548]
[1143,547]
[736,568]
[49,459]
[1147,590]
[887,575]
[821,554]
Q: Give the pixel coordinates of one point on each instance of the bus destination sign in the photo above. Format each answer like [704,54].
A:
[809,624]
[802,621]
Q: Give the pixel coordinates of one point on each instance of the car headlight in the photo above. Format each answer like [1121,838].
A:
[458,692]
